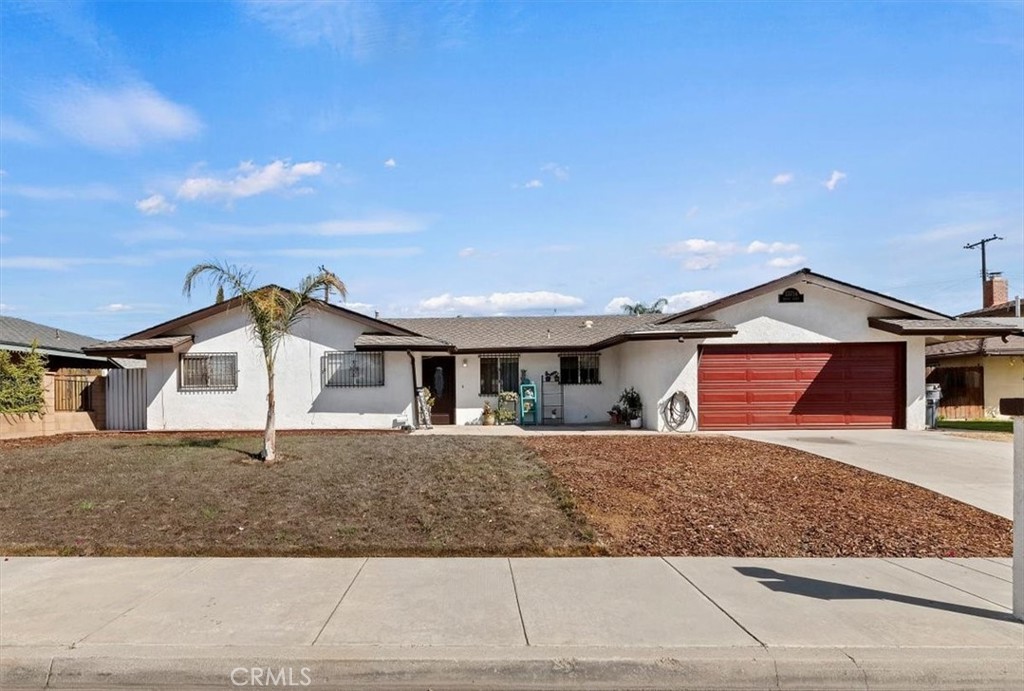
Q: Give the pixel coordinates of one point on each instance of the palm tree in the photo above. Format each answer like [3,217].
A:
[640,308]
[273,312]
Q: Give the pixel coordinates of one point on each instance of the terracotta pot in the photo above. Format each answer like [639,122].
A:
[487,420]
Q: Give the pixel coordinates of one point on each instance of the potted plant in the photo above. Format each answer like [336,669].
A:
[505,416]
[616,415]
[487,417]
[633,407]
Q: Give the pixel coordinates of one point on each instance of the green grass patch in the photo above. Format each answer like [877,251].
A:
[978,425]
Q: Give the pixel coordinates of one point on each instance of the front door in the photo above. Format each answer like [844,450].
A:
[439,376]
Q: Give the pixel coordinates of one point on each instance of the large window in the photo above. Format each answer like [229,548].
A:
[580,368]
[498,373]
[352,368]
[208,372]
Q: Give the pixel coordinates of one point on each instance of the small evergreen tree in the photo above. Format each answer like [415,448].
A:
[21,382]
[220,294]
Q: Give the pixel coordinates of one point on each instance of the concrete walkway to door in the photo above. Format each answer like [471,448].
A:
[974,471]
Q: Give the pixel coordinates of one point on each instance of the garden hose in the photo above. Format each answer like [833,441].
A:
[676,411]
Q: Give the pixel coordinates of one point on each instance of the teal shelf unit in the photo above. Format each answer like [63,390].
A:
[529,403]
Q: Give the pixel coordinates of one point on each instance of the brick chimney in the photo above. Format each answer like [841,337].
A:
[996,291]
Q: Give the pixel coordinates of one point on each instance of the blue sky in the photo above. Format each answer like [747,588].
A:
[520,158]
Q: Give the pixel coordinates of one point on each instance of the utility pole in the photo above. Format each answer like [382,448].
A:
[981,244]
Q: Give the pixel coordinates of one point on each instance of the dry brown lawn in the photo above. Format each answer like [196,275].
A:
[330,495]
[720,495]
[392,494]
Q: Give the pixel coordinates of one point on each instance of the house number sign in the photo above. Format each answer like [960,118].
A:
[791,295]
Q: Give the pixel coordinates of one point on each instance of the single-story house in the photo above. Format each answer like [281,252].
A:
[802,351]
[975,373]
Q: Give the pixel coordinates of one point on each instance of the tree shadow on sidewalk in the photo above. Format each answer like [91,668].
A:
[830,590]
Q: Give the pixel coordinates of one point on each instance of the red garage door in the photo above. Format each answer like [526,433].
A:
[801,386]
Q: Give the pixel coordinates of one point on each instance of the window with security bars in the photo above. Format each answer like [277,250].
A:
[580,368]
[352,368]
[208,372]
[498,373]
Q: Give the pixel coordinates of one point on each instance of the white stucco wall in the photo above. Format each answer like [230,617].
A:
[302,403]
[659,368]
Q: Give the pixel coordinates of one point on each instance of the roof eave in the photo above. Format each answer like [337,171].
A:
[881,324]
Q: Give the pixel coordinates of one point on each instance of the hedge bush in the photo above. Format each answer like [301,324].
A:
[21,382]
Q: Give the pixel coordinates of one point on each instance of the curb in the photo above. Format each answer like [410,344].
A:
[563,668]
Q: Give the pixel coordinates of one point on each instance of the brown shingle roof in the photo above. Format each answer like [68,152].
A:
[1014,345]
[140,346]
[523,333]
[393,342]
[1003,309]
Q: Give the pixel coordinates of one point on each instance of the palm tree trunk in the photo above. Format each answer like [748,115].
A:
[270,432]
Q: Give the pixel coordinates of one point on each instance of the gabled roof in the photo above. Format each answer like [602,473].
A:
[169,327]
[19,335]
[806,276]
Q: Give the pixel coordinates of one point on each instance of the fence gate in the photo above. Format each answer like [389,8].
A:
[126,399]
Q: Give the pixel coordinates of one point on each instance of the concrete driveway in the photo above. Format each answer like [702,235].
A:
[975,471]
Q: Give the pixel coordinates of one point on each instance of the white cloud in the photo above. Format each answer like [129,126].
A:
[782,179]
[154,205]
[499,303]
[391,163]
[700,246]
[93,192]
[758,247]
[834,180]
[559,172]
[466,252]
[5,308]
[687,299]
[44,263]
[531,184]
[785,262]
[363,307]
[13,131]
[115,307]
[117,118]
[250,180]
[615,305]
[700,254]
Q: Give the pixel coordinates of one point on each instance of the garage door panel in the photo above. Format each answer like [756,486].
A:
[798,386]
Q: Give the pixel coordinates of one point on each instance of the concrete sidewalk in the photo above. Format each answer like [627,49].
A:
[509,623]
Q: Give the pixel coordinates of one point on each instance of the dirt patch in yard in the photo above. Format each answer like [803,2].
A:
[331,495]
[707,495]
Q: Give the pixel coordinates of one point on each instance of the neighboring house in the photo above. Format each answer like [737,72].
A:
[804,350]
[63,349]
[975,373]
[74,391]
